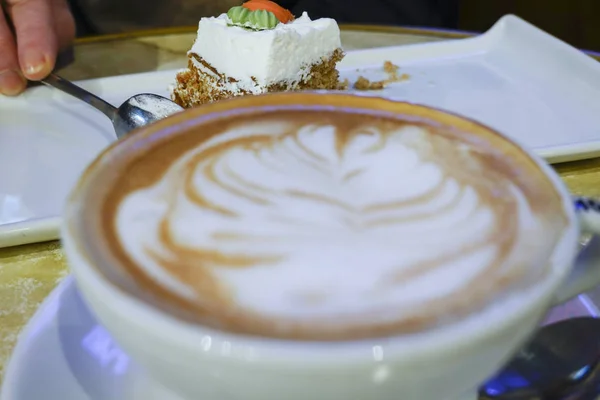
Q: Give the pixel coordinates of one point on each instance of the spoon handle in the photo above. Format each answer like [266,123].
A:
[64,85]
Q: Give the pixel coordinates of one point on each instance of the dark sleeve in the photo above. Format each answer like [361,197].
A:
[425,13]
[82,25]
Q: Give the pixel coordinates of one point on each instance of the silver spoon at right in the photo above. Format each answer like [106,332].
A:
[561,361]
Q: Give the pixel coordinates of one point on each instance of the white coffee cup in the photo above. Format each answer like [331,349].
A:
[198,362]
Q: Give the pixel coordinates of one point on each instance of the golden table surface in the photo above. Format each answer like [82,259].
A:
[28,273]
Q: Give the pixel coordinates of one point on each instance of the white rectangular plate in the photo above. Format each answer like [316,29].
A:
[515,78]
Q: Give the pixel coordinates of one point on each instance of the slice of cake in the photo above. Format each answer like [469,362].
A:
[256,48]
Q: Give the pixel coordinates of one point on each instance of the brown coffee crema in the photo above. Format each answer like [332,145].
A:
[500,174]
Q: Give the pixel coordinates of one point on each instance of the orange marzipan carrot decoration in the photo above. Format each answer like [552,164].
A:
[283,15]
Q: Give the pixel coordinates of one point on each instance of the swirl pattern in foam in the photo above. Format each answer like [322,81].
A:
[322,230]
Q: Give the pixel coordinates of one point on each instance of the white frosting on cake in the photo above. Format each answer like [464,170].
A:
[257,59]
[341,234]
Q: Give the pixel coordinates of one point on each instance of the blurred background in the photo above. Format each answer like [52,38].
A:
[577,22]
[574,21]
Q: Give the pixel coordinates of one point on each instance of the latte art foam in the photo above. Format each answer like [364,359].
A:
[284,228]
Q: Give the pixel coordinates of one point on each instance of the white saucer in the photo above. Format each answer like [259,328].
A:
[515,78]
[63,353]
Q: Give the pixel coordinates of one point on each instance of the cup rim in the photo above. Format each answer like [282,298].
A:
[281,348]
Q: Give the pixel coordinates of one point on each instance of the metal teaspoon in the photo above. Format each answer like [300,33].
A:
[137,111]
[562,361]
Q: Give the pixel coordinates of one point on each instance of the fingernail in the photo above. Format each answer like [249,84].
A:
[34,69]
[34,65]
[11,83]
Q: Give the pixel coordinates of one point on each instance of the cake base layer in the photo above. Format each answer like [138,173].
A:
[196,86]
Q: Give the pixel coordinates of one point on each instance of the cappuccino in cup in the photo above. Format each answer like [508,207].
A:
[319,227]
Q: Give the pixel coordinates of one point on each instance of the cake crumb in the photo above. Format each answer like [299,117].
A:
[343,85]
[363,83]
[390,69]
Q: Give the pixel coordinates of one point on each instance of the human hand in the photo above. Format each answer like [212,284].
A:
[41,29]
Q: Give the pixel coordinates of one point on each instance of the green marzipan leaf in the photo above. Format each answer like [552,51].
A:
[263,19]
[256,20]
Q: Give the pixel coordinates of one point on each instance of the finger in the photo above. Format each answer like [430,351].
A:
[11,81]
[36,39]
[64,24]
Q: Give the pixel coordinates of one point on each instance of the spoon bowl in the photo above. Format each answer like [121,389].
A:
[140,110]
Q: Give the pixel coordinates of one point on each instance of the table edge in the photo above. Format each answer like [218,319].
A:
[421,31]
